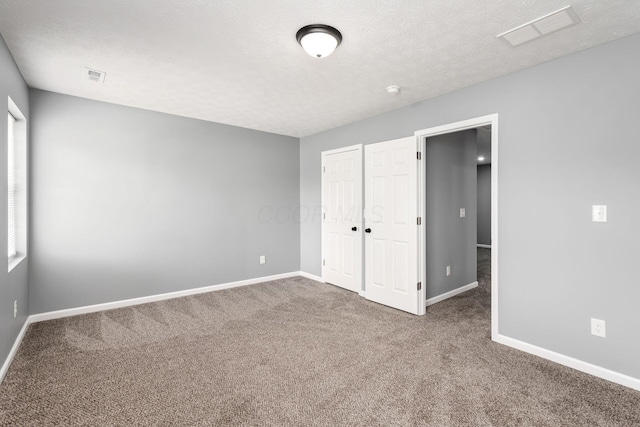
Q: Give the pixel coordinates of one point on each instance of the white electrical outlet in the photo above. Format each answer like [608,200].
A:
[448,270]
[598,328]
[463,212]
[599,213]
[15,309]
[263,259]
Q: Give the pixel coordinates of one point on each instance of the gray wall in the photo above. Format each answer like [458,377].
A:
[484,204]
[14,285]
[129,203]
[568,140]
[451,184]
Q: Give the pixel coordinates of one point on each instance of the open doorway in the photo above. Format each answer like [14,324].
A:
[483,173]
[483,245]
[451,212]
[488,127]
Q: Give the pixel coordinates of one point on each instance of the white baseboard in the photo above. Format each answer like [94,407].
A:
[152,298]
[579,365]
[452,293]
[363,294]
[14,349]
[480,245]
[311,276]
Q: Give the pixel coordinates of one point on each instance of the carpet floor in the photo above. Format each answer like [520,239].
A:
[296,352]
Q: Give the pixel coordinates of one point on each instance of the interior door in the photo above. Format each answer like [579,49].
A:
[342,218]
[391,230]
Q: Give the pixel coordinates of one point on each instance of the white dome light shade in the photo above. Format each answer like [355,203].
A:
[319,44]
[319,40]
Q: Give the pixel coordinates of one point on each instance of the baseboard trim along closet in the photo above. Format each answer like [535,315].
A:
[153,298]
[14,349]
[596,371]
[452,293]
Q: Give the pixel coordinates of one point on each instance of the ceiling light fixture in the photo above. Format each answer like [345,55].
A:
[319,40]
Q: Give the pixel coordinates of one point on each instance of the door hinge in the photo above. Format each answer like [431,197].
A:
[324,169]
[419,285]
[324,215]
[419,155]
[324,262]
[419,220]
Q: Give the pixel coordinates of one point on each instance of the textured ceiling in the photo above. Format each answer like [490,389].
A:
[238,62]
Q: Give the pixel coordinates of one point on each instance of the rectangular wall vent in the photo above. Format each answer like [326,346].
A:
[94,75]
[542,26]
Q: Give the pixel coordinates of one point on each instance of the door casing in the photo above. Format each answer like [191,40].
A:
[422,136]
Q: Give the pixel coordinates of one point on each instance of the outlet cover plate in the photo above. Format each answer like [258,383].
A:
[599,213]
[598,328]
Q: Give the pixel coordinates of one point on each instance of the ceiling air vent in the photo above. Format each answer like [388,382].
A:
[94,75]
[542,26]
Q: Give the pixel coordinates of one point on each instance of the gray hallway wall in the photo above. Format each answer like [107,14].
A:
[13,285]
[557,269]
[484,204]
[129,203]
[451,184]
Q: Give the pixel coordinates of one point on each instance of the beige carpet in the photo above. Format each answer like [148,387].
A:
[296,352]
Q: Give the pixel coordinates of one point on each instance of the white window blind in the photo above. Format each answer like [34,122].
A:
[11,182]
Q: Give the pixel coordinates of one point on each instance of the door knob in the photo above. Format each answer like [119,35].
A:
[354,228]
[367,230]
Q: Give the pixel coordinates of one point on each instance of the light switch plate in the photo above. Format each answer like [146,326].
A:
[463,212]
[599,213]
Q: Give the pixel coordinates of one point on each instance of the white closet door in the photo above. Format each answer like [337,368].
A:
[391,230]
[342,219]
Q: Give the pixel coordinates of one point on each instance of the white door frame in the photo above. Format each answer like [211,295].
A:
[422,136]
[359,219]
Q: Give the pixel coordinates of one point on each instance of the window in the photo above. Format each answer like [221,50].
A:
[16,185]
